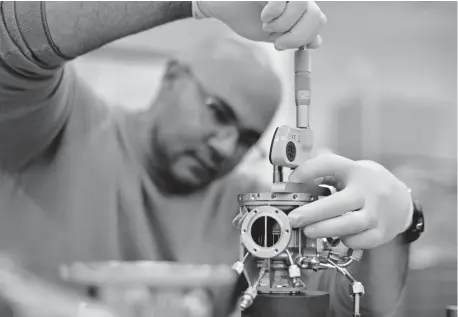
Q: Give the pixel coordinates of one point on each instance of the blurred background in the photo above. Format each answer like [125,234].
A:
[384,89]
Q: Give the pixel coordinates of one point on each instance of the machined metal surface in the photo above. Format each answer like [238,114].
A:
[304,304]
[275,199]
[289,250]
[284,234]
[278,270]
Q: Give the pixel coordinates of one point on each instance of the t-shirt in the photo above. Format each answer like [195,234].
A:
[71,187]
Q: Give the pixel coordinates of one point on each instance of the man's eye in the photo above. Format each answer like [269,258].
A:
[248,140]
[219,114]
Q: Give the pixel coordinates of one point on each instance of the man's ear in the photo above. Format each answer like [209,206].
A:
[174,70]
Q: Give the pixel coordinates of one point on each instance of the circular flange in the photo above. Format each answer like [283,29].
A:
[285,228]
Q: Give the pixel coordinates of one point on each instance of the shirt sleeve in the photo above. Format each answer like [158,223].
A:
[35,88]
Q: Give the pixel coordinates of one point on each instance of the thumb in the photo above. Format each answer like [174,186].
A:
[330,181]
[324,165]
[316,43]
[273,10]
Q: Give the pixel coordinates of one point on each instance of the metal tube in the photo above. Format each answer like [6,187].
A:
[451,311]
[302,86]
[278,174]
[356,312]
[346,264]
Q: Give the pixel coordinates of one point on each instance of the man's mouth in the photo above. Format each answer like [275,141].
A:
[207,167]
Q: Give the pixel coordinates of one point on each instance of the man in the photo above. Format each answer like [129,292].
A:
[80,183]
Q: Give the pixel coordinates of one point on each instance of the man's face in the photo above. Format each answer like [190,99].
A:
[199,137]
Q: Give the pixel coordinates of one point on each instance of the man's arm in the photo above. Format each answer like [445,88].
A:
[79,27]
[36,40]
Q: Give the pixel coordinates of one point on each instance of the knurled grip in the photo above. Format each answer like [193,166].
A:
[302,86]
[302,76]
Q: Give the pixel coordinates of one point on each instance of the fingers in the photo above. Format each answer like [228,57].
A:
[305,30]
[330,181]
[325,165]
[325,208]
[348,224]
[293,11]
[315,43]
[273,10]
[364,240]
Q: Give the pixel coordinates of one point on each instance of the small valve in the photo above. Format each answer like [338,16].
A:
[357,288]
[356,291]
[248,298]
[250,294]
[356,254]
[238,267]
[294,271]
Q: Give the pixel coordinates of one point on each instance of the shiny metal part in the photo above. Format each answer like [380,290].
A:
[281,251]
[276,232]
[263,218]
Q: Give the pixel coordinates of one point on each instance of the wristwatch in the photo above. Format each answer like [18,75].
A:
[418,224]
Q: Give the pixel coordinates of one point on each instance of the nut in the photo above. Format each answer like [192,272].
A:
[238,267]
[294,271]
[356,254]
[357,288]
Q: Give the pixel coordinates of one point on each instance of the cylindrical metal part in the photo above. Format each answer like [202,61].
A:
[302,117]
[304,304]
[278,174]
[302,86]
[451,311]
[356,303]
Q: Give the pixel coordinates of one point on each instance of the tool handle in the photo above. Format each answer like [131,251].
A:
[302,83]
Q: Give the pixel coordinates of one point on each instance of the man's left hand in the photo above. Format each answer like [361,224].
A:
[370,208]
[287,24]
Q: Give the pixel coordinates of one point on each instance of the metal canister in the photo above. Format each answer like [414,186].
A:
[451,311]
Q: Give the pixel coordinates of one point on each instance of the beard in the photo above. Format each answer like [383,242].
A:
[161,174]
[167,183]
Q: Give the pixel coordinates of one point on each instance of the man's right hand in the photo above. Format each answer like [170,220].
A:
[287,24]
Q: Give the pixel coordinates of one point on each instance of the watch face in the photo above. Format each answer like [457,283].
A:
[418,224]
[419,218]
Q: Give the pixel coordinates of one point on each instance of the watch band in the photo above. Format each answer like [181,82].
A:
[418,224]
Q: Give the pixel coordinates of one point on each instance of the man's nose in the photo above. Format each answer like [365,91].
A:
[224,141]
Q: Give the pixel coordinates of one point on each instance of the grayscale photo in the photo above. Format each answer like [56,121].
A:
[228,158]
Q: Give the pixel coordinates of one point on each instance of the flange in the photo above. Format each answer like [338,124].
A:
[284,225]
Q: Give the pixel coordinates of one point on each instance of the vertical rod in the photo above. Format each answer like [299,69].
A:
[300,243]
[356,312]
[265,232]
[302,86]
[278,174]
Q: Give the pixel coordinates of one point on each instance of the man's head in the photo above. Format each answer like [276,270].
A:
[216,100]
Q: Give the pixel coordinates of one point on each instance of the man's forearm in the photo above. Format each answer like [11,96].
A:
[75,28]
[383,273]
[79,27]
